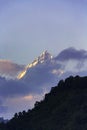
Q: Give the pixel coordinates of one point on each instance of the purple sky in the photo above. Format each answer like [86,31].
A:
[28,27]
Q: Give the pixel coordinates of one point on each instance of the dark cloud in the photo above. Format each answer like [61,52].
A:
[35,80]
[72,54]
[11,88]
[10,69]
[41,77]
[41,74]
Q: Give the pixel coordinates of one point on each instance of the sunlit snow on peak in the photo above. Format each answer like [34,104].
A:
[21,75]
[44,57]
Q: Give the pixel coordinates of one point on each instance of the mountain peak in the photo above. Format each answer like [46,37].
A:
[45,56]
[45,52]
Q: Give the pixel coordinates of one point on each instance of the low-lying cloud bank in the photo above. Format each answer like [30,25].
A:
[39,79]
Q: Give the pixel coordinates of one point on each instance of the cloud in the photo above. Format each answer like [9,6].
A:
[3,108]
[35,81]
[22,94]
[72,54]
[39,79]
[9,69]
[73,59]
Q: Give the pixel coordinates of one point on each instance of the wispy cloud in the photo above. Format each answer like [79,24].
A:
[10,69]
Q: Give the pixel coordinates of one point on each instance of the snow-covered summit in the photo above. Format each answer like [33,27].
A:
[43,58]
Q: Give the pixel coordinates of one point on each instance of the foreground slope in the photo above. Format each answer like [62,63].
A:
[64,108]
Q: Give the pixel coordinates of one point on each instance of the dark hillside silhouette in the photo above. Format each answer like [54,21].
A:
[64,108]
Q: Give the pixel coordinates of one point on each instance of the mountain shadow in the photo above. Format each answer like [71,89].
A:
[64,108]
